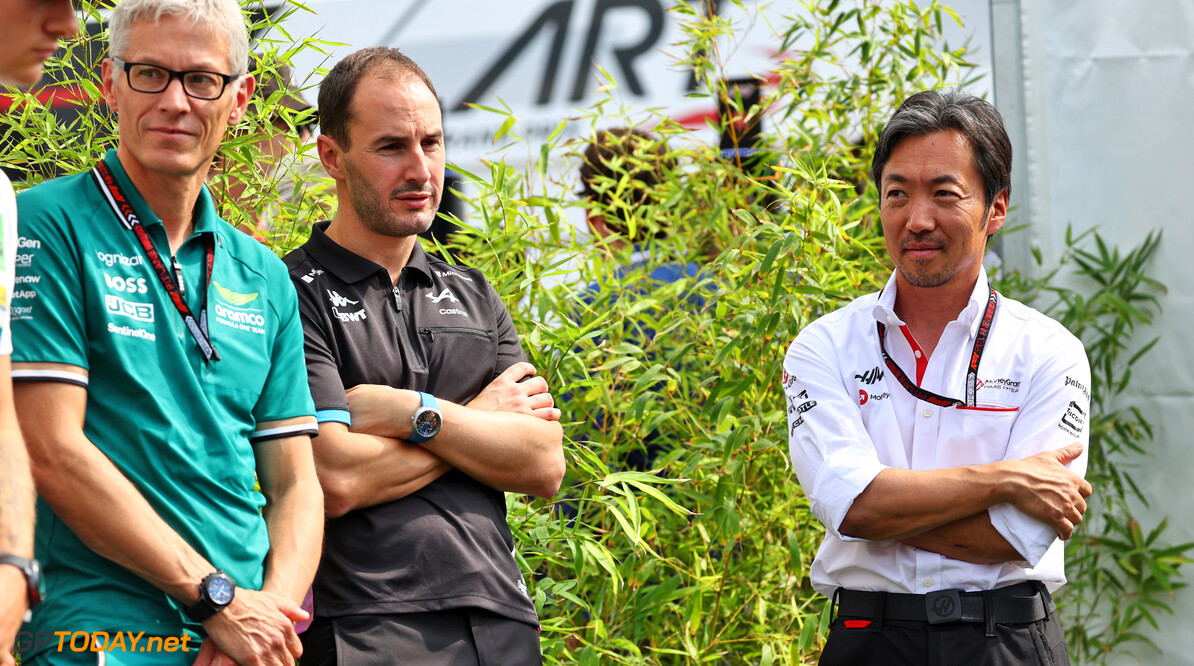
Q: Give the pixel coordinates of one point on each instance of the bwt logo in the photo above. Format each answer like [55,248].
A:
[119,306]
[112,259]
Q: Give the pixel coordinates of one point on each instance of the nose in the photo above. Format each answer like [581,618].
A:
[174,98]
[921,216]
[61,21]
[418,167]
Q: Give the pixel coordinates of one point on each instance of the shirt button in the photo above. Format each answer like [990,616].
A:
[916,353]
[928,582]
[927,413]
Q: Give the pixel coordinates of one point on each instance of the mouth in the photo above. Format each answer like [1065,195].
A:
[169,132]
[415,200]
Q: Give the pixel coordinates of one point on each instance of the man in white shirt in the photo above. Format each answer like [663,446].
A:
[29,34]
[938,428]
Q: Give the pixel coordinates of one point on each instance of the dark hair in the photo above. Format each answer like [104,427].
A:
[954,109]
[624,152]
[338,87]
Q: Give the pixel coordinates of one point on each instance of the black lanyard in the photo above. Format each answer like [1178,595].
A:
[128,217]
[976,354]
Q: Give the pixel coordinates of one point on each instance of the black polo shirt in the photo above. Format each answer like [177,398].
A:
[442,330]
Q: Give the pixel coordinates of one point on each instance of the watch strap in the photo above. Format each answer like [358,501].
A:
[426,401]
[205,607]
[32,571]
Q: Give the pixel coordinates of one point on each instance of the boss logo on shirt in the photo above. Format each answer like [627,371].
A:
[130,285]
[131,309]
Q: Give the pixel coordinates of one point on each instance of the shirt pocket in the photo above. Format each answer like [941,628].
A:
[460,359]
[975,435]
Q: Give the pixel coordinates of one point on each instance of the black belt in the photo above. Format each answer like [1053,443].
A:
[1016,604]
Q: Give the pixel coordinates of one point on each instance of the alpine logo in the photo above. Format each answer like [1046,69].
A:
[446,293]
[338,300]
[131,309]
[871,376]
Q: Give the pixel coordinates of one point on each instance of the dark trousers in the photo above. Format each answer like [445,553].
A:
[862,642]
[457,637]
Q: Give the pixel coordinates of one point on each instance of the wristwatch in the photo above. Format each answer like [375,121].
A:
[215,593]
[32,571]
[427,419]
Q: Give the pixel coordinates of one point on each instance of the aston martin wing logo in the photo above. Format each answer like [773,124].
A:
[232,297]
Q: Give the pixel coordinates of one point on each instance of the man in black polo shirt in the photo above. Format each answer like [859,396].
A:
[428,410]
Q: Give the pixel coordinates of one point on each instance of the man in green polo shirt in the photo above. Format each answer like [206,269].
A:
[160,376]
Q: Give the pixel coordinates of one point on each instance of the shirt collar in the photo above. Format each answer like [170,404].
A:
[350,266]
[204,215]
[884,310]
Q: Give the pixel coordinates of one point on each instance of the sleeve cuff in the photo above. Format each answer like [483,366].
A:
[309,429]
[61,376]
[838,484]
[1030,537]
[336,415]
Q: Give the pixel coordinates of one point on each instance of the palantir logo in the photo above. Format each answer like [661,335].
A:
[446,293]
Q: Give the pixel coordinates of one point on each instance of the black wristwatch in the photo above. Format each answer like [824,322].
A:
[32,571]
[427,419]
[215,593]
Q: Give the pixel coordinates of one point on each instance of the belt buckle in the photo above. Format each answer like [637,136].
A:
[943,606]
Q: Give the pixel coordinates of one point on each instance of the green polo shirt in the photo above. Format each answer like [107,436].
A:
[180,428]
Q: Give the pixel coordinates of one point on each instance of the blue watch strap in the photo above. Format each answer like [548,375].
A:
[427,401]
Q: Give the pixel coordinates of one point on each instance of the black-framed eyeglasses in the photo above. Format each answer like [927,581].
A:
[200,84]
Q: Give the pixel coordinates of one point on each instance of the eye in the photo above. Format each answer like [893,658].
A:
[895,193]
[203,82]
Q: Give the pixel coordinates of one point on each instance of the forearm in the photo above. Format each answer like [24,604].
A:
[357,470]
[972,539]
[16,491]
[901,503]
[294,518]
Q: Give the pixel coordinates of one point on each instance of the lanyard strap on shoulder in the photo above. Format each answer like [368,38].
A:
[976,355]
[124,212]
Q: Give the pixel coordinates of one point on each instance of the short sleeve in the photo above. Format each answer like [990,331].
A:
[509,347]
[1053,415]
[833,455]
[285,394]
[48,322]
[323,373]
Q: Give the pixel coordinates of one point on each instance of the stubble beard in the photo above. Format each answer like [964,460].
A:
[375,214]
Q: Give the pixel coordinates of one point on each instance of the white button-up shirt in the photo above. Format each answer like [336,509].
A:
[849,419]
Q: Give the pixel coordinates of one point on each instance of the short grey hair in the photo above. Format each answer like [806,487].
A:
[224,16]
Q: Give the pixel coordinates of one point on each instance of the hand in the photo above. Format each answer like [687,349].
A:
[256,629]
[13,595]
[518,390]
[382,410]
[1049,492]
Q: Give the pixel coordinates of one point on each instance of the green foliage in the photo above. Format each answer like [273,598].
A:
[1121,573]
[702,555]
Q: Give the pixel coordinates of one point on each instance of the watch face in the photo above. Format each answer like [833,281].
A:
[220,589]
[427,423]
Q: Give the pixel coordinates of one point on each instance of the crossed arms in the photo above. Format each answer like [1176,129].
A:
[508,438]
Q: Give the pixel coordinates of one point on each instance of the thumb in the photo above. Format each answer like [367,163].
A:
[291,610]
[1068,453]
[519,371]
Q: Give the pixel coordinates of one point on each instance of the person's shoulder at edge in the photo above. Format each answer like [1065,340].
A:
[1027,320]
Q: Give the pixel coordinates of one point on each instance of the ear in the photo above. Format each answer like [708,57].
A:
[597,225]
[998,213]
[330,154]
[244,93]
[108,73]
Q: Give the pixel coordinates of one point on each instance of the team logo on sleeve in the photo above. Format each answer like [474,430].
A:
[1074,420]
[795,410]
